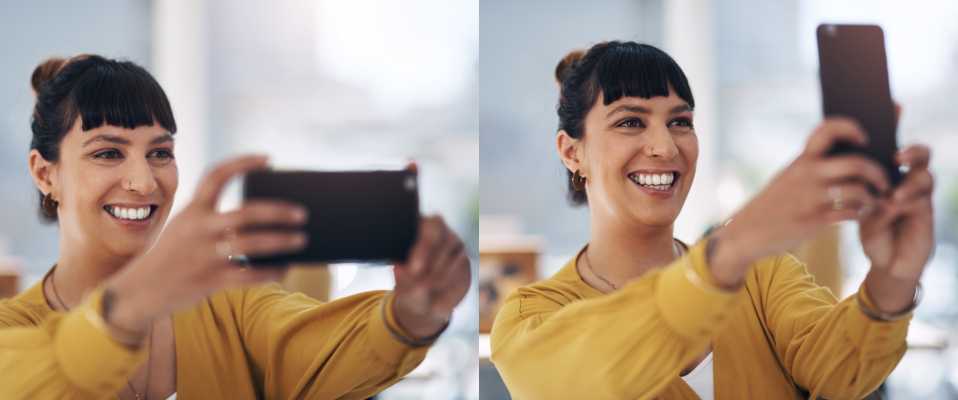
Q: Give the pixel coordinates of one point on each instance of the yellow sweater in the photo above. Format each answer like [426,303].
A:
[251,343]
[780,336]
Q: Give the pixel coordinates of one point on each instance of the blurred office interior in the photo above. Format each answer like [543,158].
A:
[315,84]
[752,66]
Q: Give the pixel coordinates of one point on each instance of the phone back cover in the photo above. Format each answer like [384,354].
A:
[854,76]
[354,216]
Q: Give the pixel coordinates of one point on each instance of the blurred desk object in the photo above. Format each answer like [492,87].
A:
[820,255]
[506,262]
[11,268]
[311,280]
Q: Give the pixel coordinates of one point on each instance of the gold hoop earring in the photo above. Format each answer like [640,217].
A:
[50,205]
[578,182]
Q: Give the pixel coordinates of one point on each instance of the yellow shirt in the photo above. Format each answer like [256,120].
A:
[250,343]
[779,336]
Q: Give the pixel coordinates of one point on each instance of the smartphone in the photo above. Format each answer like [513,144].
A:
[854,75]
[367,217]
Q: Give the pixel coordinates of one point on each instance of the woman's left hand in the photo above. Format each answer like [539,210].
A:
[433,281]
[898,235]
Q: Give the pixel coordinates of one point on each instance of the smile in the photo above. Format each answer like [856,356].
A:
[132,216]
[663,181]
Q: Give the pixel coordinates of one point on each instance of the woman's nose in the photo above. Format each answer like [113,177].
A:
[141,179]
[660,144]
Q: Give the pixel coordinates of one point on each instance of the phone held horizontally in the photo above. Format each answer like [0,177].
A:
[353,216]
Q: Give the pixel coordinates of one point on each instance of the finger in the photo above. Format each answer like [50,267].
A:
[429,234]
[832,130]
[850,196]
[262,212]
[214,181]
[412,166]
[917,186]
[437,249]
[914,157]
[443,261]
[454,268]
[852,168]
[268,243]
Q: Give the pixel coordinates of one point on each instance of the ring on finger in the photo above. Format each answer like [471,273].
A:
[835,193]
[224,250]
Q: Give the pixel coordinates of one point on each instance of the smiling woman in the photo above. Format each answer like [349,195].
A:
[136,308]
[641,315]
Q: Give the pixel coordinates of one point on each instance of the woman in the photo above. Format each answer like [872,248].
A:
[133,307]
[637,313]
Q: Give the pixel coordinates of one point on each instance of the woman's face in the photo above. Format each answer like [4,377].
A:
[115,186]
[627,148]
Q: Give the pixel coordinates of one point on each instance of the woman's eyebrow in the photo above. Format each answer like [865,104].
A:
[629,108]
[161,139]
[106,138]
[680,109]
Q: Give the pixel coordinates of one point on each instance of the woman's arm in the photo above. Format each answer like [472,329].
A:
[306,348]
[829,347]
[67,356]
[549,344]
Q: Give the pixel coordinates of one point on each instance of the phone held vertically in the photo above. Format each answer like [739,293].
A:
[854,77]
[369,216]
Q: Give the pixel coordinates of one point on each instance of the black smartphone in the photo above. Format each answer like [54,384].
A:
[854,75]
[370,216]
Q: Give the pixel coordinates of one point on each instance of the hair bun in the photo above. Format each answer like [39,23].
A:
[45,71]
[567,62]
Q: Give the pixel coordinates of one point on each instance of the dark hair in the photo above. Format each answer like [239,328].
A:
[616,69]
[98,91]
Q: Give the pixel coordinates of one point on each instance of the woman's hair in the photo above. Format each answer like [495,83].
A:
[96,90]
[615,69]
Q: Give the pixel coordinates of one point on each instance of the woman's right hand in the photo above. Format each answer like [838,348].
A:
[187,262]
[814,192]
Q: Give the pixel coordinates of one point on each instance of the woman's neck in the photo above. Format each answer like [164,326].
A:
[79,269]
[618,253]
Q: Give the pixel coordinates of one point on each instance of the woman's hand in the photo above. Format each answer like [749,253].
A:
[189,260]
[433,281]
[899,235]
[814,192]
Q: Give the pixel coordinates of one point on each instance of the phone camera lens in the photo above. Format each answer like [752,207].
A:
[831,30]
[410,184]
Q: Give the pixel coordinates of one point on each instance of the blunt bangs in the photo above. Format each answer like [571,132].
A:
[121,94]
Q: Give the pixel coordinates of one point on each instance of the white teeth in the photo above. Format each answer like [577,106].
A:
[665,179]
[641,179]
[131,213]
[656,180]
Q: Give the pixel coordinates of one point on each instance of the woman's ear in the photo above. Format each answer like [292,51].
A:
[568,150]
[42,171]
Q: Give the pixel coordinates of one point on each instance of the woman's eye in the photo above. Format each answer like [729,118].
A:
[108,155]
[683,122]
[631,123]
[161,154]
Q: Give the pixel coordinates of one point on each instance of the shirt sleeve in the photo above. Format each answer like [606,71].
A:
[830,347]
[67,356]
[549,343]
[304,348]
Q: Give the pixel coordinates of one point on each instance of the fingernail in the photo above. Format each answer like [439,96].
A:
[299,214]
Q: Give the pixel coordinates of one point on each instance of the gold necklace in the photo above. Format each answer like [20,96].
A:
[589,264]
[149,364]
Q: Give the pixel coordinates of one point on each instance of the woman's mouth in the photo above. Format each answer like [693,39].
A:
[135,217]
[663,181]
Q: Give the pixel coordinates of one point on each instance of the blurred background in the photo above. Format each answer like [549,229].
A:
[752,65]
[316,84]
